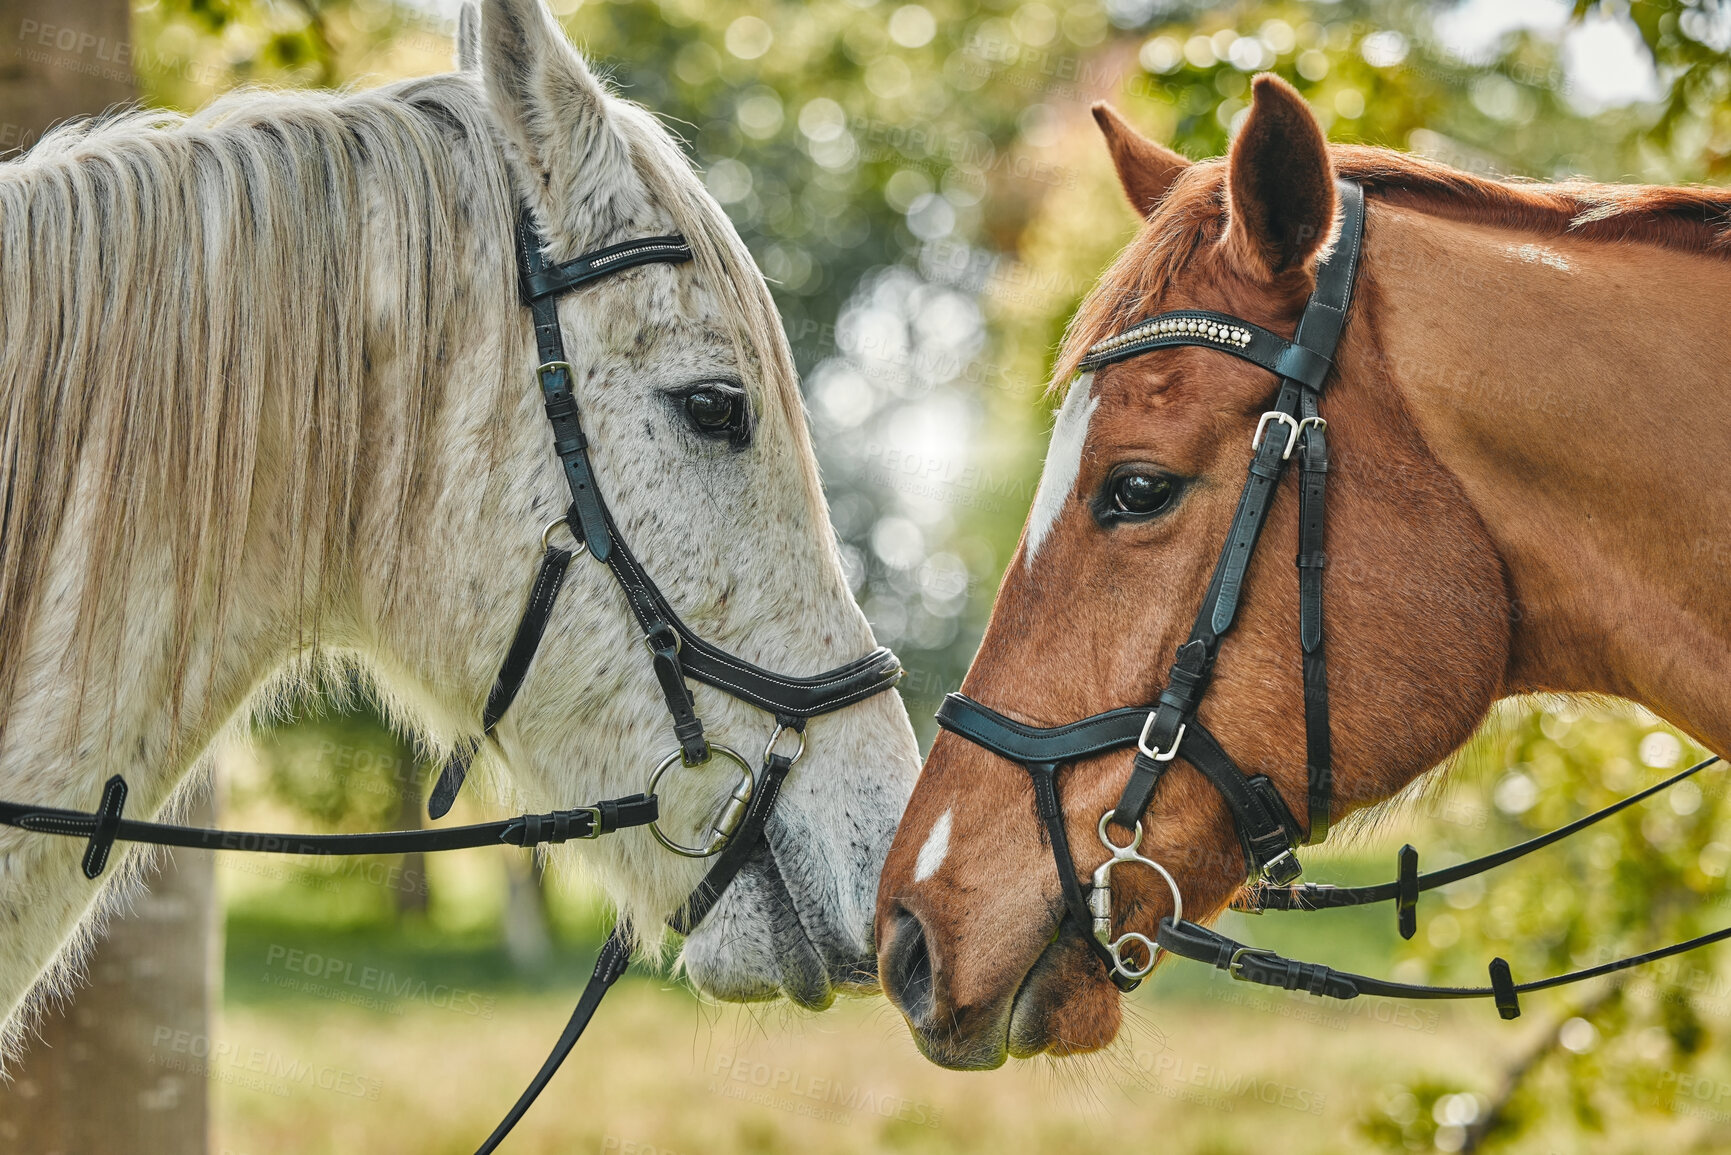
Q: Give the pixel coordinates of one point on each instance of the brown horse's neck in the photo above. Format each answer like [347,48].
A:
[1578,391]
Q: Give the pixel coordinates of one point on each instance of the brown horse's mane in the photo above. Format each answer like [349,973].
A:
[1192,215]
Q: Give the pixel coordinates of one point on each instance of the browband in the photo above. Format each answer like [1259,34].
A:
[1308,366]
[539,283]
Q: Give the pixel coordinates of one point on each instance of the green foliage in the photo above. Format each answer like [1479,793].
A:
[1689,40]
[1619,1048]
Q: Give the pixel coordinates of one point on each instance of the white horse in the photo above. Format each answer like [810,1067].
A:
[269,407]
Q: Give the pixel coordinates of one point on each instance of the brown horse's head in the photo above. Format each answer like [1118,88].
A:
[1097,599]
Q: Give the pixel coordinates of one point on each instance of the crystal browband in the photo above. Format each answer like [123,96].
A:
[1194,326]
[1200,327]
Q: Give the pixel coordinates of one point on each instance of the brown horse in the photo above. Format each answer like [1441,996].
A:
[1529,419]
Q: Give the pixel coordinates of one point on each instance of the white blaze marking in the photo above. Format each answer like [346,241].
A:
[937,846]
[1063,463]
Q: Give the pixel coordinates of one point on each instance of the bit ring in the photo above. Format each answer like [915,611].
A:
[727,820]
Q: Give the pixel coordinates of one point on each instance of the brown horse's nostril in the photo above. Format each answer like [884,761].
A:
[907,977]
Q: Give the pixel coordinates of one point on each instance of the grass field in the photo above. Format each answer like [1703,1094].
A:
[357,1044]
[661,1073]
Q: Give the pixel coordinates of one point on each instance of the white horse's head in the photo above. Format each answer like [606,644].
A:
[698,434]
[309,427]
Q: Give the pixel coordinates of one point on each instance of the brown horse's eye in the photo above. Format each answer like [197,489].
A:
[1141,494]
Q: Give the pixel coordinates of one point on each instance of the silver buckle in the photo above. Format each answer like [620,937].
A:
[1155,754]
[1238,959]
[1267,871]
[1292,428]
[594,813]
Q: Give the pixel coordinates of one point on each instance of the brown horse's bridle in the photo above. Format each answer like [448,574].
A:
[1170,730]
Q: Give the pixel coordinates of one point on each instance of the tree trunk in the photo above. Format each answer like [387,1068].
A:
[114,1071]
[102,1075]
[61,58]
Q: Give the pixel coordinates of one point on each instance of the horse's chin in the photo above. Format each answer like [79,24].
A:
[755,946]
[1065,1005]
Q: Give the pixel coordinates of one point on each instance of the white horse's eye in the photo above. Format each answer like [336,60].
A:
[720,410]
[711,410]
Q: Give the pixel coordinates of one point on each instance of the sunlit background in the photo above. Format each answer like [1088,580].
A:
[925,190]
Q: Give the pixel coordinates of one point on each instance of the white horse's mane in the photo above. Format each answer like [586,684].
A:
[159,274]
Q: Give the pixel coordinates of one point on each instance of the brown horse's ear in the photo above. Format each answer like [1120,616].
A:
[1280,181]
[1145,169]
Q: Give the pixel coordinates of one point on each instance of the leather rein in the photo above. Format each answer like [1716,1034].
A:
[1170,731]
[676,653]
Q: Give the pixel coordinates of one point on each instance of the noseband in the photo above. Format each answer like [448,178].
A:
[1169,730]
[676,654]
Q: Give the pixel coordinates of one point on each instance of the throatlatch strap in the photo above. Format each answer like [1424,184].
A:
[1266,828]
[555,563]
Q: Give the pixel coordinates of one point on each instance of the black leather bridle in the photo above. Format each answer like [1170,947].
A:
[677,653]
[1169,730]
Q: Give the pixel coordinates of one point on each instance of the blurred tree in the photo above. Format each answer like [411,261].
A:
[106,1063]
[94,1070]
[59,60]
[338,763]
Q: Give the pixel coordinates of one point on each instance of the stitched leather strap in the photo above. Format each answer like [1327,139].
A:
[739,849]
[1008,738]
[558,396]
[610,964]
[549,578]
[1321,896]
[1268,968]
[1311,560]
[1077,916]
[105,826]
[543,280]
[1212,330]
[1266,829]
